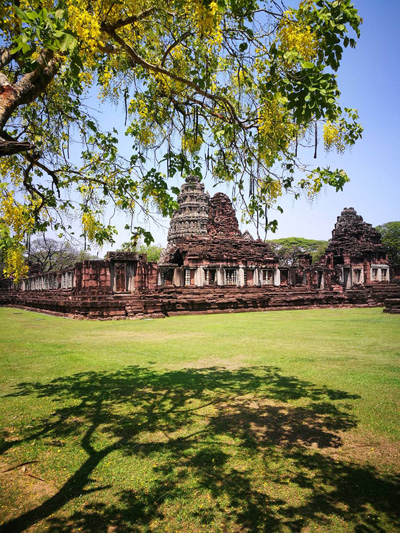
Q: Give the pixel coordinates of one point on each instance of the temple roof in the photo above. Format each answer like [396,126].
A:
[217,249]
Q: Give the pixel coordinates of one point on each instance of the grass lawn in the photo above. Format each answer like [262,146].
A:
[275,421]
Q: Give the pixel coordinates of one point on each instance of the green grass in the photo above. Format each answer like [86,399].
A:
[276,421]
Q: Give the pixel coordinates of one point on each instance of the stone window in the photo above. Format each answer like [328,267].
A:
[230,276]
[384,276]
[284,274]
[374,274]
[210,277]
[166,276]
[267,277]
[187,276]
[357,275]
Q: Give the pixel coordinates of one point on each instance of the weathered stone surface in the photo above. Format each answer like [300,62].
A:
[351,235]
[222,217]
[219,250]
[220,242]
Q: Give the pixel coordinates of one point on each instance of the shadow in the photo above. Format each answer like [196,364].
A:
[242,450]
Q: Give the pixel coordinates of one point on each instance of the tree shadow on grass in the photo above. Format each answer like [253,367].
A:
[236,450]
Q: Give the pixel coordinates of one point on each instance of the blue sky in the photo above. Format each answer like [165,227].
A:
[369,80]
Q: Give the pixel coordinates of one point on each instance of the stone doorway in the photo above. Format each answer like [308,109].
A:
[120,277]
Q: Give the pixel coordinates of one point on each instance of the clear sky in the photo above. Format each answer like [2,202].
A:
[369,80]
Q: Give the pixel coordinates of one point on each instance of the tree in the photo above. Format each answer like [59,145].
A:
[152,251]
[12,260]
[390,232]
[50,254]
[237,85]
[288,249]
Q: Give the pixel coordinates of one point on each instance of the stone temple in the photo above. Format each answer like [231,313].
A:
[210,266]
[206,247]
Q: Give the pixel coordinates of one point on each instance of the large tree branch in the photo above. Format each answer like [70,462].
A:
[5,57]
[139,60]
[28,88]
[9,146]
[129,20]
[173,45]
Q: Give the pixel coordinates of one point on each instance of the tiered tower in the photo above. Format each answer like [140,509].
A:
[191,218]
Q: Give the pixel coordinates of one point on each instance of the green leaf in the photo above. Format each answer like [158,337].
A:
[21,14]
[68,42]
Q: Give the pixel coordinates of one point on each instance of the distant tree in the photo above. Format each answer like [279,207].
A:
[288,249]
[50,254]
[390,232]
[153,251]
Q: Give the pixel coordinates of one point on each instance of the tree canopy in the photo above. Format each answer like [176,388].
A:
[153,251]
[288,249]
[239,87]
[390,232]
[50,254]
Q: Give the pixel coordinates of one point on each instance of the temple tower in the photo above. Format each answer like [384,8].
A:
[354,236]
[191,218]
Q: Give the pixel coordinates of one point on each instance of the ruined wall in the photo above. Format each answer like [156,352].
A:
[92,276]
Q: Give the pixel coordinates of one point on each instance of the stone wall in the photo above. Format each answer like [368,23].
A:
[169,301]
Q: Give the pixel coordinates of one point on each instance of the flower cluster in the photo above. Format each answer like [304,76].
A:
[90,225]
[207,20]
[84,24]
[333,138]
[295,36]
[275,130]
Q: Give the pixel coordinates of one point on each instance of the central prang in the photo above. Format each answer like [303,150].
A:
[206,247]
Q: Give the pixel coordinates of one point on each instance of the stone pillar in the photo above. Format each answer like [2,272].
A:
[256,277]
[348,278]
[240,277]
[199,277]
[177,278]
[220,276]
[277,277]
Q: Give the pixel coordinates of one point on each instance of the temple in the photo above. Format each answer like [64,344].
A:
[206,248]
[210,266]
